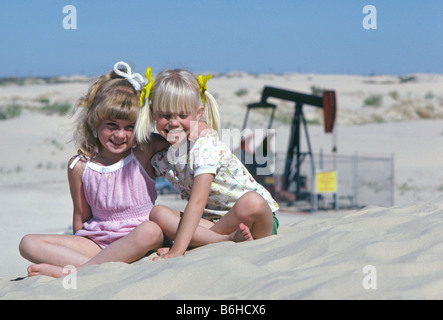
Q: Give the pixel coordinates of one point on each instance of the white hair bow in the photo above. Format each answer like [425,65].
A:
[126,73]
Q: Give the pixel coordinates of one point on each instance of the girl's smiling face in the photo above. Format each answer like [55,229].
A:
[175,127]
[116,135]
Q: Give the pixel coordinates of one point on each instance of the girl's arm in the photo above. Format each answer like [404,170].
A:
[145,151]
[157,143]
[191,216]
[81,209]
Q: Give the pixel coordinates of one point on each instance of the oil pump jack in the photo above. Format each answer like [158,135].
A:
[294,155]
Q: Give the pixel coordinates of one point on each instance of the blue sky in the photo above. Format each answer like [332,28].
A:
[280,36]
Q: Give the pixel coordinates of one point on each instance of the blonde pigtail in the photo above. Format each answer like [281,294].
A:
[145,120]
[212,114]
[144,124]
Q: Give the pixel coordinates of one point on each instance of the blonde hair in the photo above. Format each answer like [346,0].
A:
[176,91]
[109,97]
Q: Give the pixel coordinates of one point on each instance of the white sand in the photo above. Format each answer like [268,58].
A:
[322,257]
[314,256]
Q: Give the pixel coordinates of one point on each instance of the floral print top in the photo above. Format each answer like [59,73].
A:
[209,155]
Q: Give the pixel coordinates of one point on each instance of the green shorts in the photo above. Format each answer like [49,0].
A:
[216,218]
[275,224]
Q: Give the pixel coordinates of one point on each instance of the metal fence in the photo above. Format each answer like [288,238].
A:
[361,180]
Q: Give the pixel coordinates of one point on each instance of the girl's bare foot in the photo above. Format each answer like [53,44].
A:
[242,234]
[162,251]
[44,269]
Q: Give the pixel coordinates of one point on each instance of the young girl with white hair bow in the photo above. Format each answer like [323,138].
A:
[111,180]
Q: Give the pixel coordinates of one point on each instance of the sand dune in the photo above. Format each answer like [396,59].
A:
[323,257]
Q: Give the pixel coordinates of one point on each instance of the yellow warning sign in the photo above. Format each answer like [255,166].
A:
[326,181]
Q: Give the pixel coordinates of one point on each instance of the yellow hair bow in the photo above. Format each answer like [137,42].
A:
[202,81]
[147,88]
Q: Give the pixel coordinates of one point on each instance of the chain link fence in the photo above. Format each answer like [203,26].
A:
[360,180]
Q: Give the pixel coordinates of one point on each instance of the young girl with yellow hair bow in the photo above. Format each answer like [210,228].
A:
[223,198]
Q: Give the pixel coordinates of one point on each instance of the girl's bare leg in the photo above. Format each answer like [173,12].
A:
[169,219]
[59,250]
[147,236]
[253,211]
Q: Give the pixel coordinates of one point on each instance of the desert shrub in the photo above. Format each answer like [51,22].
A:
[11,111]
[393,95]
[374,100]
[241,92]
[429,95]
[406,79]
[317,90]
[57,108]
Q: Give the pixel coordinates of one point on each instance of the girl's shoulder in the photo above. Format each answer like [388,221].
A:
[77,162]
[211,138]
[209,143]
[76,167]
[207,149]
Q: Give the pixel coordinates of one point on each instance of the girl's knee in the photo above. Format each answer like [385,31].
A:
[149,233]
[163,215]
[26,244]
[253,202]
[252,208]
[155,214]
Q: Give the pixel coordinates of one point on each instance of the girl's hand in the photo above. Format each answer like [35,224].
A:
[165,253]
[191,216]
